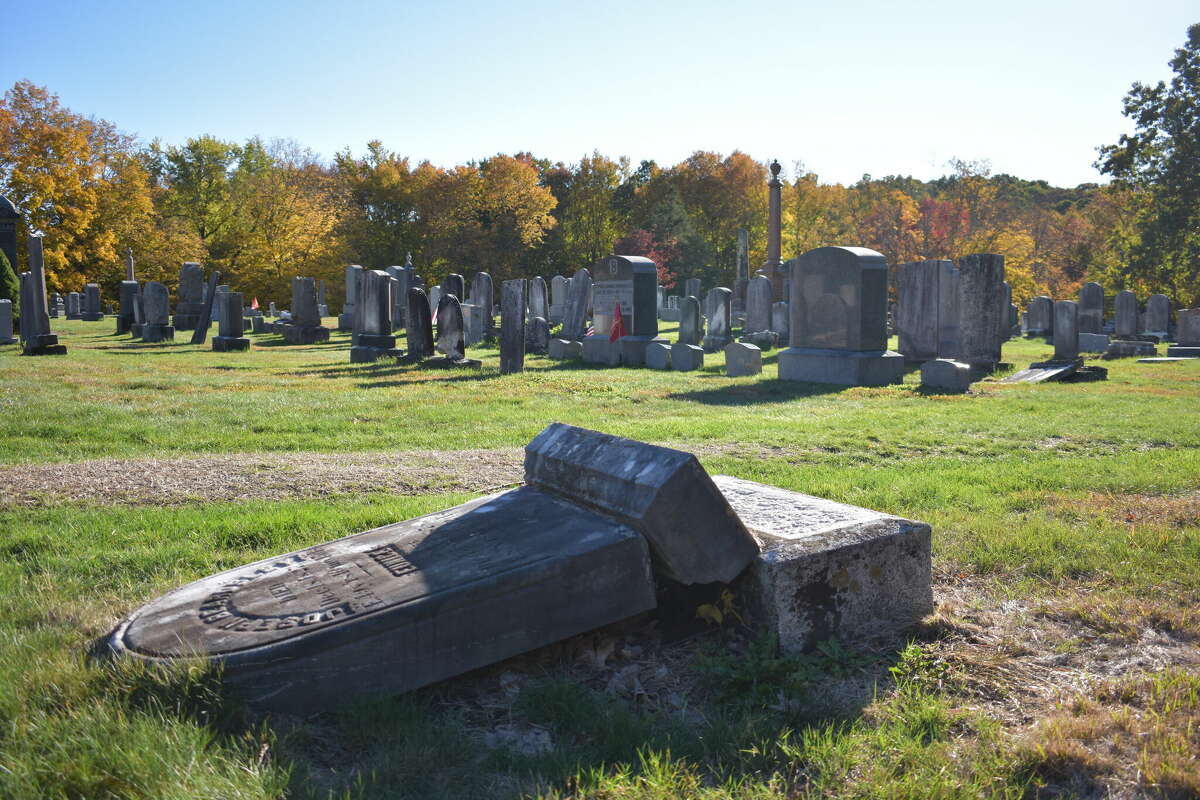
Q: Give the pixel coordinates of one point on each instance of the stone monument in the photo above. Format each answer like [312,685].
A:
[230,328]
[719,302]
[630,282]
[1091,308]
[512,326]
[691,323]
[483,295]
[6,322]
[451,340]
[128,298]
[927,310]
[579,293]
[839,320]
[353,274]
[305,326]
[1187,334]
[92,312]
[373,326]
[1127,315]
[757,328]
[156,307]
[191,297]
[1158,317]
[420,325]
[10,219]
[982,311]
[36,338]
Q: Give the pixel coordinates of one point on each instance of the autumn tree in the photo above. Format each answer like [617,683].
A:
[1161,159]
[588,218]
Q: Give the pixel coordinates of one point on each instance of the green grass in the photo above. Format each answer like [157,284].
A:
[1080,496]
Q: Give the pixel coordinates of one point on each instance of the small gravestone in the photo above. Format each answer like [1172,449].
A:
[352,274]
[305,325]
[156,307]
[1040,316]
[1091,308]
[691,287]
[1066,330]
[420,325]
[229,336]
[742,359]
[435,298]
[945,375]
[1130,348]
[558,299]
[1187,334]
[6,322]
[658,355]
[374,337]
[981,310]
[537,336]
[670,311]
[512,326]
[1158,316]
[92,312]
[691,324]
[127,297]
[56,306]
[575,316]
[565,350]
[322,305]
[629,282]
[475,322]
[719,313]
[1126,315]
[538,304]
[74,305]
[1093,342]
[258,324]
[483,295]
[687,357]
[191,297]
[839,320]
[927,310]
[451,339]
[781,321]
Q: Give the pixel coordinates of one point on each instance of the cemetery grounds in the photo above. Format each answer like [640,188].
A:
[1063,658]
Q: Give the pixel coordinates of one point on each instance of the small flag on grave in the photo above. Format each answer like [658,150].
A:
[254,304]
[618,325]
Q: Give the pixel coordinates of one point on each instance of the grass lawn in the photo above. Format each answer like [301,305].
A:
[1064,657]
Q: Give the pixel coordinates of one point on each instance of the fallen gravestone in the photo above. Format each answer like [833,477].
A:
[415,602]
[1066,364]
[204,320]
[839,320]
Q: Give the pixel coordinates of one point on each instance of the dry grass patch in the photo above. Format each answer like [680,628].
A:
[1172,511]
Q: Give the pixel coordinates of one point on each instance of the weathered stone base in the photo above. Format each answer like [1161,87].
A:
[124,325]
[345,322]
[841,367]
[186,322]
[9,340]
[565,350]
[402,606]
[369,355]
[658,355]
[446,362]
[1129,348]
[294,334]
[45,344]
[742,360]
[686,357]
[946,375]
[632,349]
[158,333]
[714,344]
[829,570]
[229,344]
[1184,351]
[1093,342]
[599,350]
[258,325]
[92,316]
[763,340]
[74,316]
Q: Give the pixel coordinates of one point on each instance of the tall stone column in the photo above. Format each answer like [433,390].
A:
[773,267]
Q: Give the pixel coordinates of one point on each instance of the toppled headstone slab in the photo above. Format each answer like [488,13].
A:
[827,569]
[663,494]
[402,606]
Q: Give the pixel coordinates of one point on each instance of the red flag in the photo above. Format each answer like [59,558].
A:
[254,303]
[618,325]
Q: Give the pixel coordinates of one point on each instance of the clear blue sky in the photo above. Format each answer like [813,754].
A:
[845,87]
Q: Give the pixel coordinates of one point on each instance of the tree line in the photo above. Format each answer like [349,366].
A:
[262,211]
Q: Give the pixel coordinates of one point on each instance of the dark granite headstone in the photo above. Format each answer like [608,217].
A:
[512,326]
[537,336]
[305,326]
[1127,315]
[92,312]
[839,320]
[927,310]
[156,306]
[1066,330]
[981,310]
[204,320]
[1091,308]
[719,312]
[229,336]
[128,295]
[6,322]
[373,332]
[420,325]
[191,296]
[483,295]
[691,323]
[455,285]
[36,338]
[10,218]
[663,494]
[74,305]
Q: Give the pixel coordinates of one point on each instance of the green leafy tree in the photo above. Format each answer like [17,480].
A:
[1161,160]
[10,287]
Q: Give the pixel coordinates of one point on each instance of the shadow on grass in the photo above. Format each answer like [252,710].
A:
[763,391]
